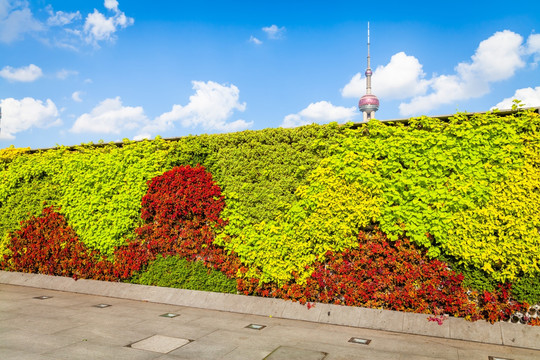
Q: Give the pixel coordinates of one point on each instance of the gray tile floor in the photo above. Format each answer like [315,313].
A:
[69,326]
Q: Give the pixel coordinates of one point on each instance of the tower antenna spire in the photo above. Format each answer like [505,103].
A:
[368,70]
[368,103]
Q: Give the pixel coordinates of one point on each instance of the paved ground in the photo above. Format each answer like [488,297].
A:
[70,326]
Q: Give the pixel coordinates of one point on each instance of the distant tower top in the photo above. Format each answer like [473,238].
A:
[368,103]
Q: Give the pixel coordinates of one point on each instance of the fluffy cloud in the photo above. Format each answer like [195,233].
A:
[111,5]
[76,96]
[61,18]
[98,27]
[210,108]
[21,115]
[496,58]
[530,98]
[401,78]
[274,32]
[254,40]
[24,74]
[16,20]
[62,29]
[320,112]
[110,117]
[533,47]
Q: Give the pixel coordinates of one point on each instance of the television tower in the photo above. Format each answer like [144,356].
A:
[368,103]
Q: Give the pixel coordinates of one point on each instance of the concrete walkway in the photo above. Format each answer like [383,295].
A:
[72,326]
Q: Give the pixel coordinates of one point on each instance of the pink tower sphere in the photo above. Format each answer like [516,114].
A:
[368,101]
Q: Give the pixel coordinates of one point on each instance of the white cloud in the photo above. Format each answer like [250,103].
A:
[274,32]
[320,112]
[64,74]
[21,115]
[61,29]
[142,137]
[110,117]
[533,47]
[210,108]
[16,20]
[76,96]
[496,58]
[98,27]
[254,40]
[111,4]
[23,74]
[401,78]
[530,98]
[61,18]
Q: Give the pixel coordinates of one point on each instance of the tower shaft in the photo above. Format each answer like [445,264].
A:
[368,103]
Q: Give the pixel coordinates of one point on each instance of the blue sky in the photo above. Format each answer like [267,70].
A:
[81,71]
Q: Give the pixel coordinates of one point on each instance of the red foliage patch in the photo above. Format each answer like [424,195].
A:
[45,244]
[392,275]
[181,213]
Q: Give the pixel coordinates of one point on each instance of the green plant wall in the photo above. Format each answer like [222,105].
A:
[467,188]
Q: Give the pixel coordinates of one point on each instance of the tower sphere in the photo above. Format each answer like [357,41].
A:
[368,103]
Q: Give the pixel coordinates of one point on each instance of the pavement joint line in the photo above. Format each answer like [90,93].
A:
[501,333]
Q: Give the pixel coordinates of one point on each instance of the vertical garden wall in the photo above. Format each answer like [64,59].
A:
[303,212]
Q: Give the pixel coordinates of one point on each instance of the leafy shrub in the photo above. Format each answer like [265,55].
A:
[327,217]
[99,188]
[45,244]
[8,154]
[394,275]
[175,272]
[378,273]
[527,289]
[103,188]
[28,200]
[441,183]
[180,213]
[498,305]
[259,171]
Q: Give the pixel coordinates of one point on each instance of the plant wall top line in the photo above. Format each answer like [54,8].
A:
[354,125]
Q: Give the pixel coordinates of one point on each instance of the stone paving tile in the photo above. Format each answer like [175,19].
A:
[106,335]
[203,351]
[171,327]
[288,352]
[244,338]
[506,353]
[225,322]
[44,325]
[246,353]
[160,344]
[87,350]
[32,343]
[21,355]
[103,317]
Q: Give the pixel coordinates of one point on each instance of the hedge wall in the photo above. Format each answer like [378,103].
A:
[466,190]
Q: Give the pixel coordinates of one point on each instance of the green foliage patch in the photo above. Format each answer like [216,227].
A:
[176,272]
